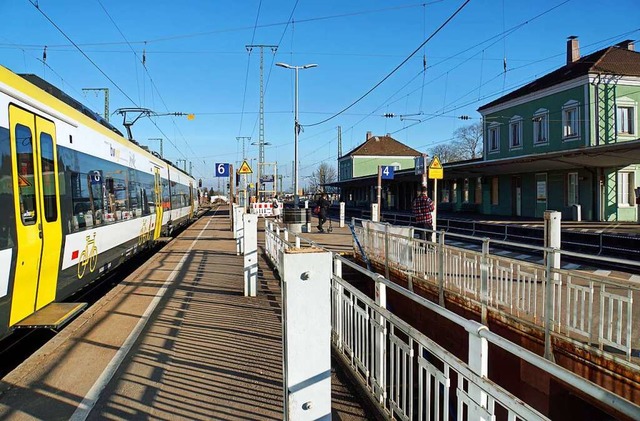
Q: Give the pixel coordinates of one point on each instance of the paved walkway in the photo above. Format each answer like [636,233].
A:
[176,340]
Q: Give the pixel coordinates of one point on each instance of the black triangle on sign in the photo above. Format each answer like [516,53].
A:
[435,164]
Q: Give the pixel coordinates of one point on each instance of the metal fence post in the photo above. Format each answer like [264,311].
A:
[306,301]
[479,364]
[441,269]
[342,212]
[386,251]
[380,342]
[484,279]
[250,223]
[337,271]
[548,305]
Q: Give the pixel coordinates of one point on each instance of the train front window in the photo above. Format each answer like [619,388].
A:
[48,178]
[24,150]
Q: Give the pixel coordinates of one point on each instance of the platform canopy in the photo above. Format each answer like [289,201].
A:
[604,156]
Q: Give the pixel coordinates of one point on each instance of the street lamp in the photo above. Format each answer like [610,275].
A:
[296,130]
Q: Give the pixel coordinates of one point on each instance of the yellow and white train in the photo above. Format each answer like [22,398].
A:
[76,199]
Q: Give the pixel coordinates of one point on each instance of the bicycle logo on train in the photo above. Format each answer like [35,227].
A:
[89,256]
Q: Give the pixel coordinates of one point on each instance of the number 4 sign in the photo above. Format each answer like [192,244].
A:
[387,172]
[222,170]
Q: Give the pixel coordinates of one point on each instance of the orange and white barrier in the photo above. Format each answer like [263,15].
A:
[262,208]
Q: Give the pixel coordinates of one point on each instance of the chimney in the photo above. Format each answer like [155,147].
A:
[368,135]
[627,44]
[573,49]
[388,135]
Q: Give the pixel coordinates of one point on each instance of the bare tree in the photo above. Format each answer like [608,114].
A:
[468,140]
[323,175]
[446,152]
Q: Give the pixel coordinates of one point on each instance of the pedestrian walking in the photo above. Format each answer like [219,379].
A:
[276,207]
[422,207]
[323,206]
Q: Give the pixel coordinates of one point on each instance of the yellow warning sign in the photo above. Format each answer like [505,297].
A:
[435,169]
[22,182]
[245,168]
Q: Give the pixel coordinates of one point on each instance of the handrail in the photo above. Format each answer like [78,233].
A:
[591,389]
[475,330]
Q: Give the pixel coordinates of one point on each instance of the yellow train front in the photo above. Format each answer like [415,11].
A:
[76,199]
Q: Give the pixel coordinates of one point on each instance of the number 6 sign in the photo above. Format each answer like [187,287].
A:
[222,170]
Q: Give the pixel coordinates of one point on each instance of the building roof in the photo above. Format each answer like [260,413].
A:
[382,146]
[614,60]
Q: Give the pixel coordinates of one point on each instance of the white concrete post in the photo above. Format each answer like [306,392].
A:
[552,234]
[306,296]
[381,351]
[238,228]
[342,213]
[479,364]
[250,254]
[375,216]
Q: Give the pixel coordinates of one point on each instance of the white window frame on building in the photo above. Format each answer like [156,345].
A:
[493,138]
[573,195]
[625,188]
[541,127]
[571,120]
[515,132]
[626,117]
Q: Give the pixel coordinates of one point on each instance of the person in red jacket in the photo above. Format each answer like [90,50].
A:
[422,207]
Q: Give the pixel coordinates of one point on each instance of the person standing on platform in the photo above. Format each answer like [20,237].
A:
[422,207]
[276,207]
[323,205]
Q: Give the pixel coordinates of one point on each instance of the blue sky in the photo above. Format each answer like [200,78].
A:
[196,62]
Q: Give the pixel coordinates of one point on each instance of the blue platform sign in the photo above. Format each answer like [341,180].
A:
[222,170]
[387,172]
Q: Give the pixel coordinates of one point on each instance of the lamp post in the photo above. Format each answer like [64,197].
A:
[296,129]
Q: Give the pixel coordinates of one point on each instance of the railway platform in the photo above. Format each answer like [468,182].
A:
[175,340]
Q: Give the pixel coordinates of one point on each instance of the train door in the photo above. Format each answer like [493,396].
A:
[190,200]
[37,208]
[159,209]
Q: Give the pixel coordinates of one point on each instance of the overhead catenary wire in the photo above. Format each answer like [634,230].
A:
[449,19]
[143,61]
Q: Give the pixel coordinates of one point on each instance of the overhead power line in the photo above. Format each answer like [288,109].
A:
[396,68]
[35,4]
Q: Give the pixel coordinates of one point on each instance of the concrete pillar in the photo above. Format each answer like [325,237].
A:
[306,292]
[250,223]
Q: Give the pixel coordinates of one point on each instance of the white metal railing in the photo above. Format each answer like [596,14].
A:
[412,377]
[591,310]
